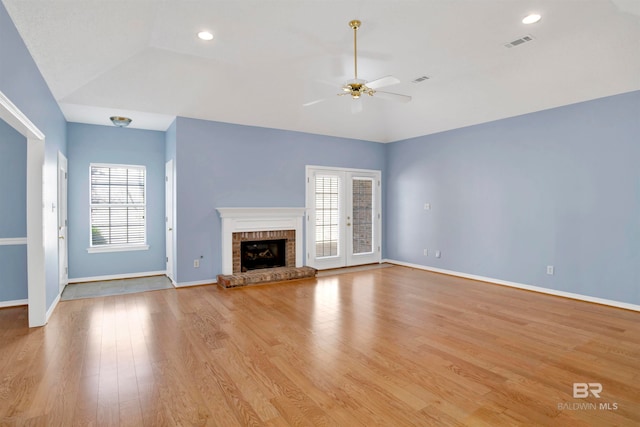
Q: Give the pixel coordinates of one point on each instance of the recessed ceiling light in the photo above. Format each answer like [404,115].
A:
[531,19]
[205,35]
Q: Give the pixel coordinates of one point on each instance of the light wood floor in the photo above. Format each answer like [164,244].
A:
[390,347]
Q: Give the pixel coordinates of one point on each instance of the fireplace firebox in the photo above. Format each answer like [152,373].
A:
[255,250]
[255,255]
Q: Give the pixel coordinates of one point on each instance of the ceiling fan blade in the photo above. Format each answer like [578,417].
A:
[392,96]
[382,82]
[356,105]
[310,103]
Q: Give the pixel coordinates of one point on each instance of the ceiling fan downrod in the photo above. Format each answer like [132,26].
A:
[356,88]
[355,24]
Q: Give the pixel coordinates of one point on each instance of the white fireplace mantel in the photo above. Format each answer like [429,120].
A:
[237,220]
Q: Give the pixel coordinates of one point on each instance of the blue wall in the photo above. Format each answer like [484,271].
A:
[13,211]
[22,83]
[226,165]
[106,144]
[558,187]
[13,182]
[13,273]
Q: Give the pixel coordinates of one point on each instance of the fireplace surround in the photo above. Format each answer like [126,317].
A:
[252,224]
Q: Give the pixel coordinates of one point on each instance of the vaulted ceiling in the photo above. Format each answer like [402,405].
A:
[268,58]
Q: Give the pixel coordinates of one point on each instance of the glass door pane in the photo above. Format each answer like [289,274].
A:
[327,213]
[362,218]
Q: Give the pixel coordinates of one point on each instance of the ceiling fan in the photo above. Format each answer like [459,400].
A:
[356,88]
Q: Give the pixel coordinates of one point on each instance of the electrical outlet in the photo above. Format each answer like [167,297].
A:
[550,270]
[196,263]
[438,254]
[427,206]
[426,252]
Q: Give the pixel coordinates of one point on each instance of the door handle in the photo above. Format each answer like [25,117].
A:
[170,229]
[61,237]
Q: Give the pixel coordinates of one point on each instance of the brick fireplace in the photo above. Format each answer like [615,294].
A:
[257,224]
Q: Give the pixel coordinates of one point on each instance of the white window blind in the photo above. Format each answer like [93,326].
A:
[327,215]
[118,205]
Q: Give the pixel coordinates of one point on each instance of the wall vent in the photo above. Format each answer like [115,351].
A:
[518,42]
[420,79]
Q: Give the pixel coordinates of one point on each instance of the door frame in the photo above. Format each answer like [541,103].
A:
[63,227]
[169,191]
[347,259]
[36,282]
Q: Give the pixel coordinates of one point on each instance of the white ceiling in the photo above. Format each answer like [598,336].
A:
[142,59]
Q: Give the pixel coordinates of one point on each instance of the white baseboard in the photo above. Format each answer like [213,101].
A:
[14,303]
[587,298]
[116,276]
[53,307]
[197,283]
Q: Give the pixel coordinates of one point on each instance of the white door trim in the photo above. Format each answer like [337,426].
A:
[169,220]
[63,245]
[35,209]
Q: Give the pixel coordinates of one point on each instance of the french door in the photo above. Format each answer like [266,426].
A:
[343,220]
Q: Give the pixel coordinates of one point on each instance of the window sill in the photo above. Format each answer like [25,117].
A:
[114,248]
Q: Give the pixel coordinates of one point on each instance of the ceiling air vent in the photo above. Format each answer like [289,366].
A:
[420,79]
[518,42]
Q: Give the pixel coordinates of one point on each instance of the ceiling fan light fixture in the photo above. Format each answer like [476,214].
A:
[120,121]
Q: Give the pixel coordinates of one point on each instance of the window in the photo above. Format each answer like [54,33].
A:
[118,207]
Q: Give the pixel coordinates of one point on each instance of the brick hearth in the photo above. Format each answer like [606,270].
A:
[265,275]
